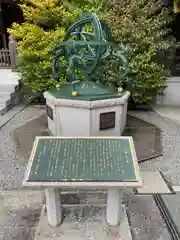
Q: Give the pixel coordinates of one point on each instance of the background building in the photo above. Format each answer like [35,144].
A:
[9,13]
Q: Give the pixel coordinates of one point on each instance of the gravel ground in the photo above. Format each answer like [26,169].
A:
[12,168]
[19,214]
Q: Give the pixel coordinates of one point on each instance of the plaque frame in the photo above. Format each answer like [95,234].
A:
[107,120]
[82,184]
[49,112]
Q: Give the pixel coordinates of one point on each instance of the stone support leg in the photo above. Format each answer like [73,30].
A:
[114,207]
[53,203]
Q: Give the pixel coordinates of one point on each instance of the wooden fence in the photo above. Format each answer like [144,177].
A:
[8,57]
[5,60]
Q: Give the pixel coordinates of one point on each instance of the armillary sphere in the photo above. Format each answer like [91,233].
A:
[84,45]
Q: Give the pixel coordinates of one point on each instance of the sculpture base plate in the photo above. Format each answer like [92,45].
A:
[87,91]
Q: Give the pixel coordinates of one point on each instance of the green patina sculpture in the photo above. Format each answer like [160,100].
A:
[86,43]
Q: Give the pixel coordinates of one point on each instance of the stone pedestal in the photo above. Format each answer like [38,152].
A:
[88,223]
[79,117]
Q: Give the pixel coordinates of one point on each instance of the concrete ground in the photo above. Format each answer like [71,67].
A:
[170,113]
[20,210]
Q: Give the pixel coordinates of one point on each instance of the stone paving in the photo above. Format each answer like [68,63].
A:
[19,215]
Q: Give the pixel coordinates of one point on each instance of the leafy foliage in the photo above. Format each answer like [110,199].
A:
[141,24]
[44,27]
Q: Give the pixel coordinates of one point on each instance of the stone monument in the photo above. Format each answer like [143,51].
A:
[82,106]
[107,163]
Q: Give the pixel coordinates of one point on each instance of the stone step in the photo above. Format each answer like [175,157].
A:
[2,110]
[7,76]
[4,99]
[10,95]
[3,94]
[7,88]
[153,183]
[6,106]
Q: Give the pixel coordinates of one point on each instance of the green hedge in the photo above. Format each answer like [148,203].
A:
[140,24]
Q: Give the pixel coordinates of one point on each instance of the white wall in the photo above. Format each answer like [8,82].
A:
[171,93]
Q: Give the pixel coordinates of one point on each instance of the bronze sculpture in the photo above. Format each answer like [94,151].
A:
[86,43]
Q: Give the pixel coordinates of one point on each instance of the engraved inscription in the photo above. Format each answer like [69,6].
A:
[107,120]
[82,160]
[49,112]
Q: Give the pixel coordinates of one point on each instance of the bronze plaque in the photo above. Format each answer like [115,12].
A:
[82,159]
[49,112]
[107,120]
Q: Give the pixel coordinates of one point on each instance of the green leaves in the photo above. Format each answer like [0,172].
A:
[143,25]
[45,26]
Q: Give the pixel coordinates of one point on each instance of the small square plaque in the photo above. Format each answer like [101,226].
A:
[49,112]
[107,120]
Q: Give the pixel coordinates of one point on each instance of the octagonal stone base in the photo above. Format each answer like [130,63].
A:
[72,117]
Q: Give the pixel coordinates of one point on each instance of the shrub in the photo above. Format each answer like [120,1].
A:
[44,27]
[144,25]
[140,24]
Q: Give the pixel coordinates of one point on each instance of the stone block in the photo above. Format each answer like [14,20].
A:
[83,222]
[153,183]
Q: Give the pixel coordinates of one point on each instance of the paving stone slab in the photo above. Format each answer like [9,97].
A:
[9,115]
[147,138]
[24,135]
[173,205]
[83,223]
[153,183]
[145,219]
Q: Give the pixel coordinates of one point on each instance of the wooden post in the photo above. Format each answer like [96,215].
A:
[13,53]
